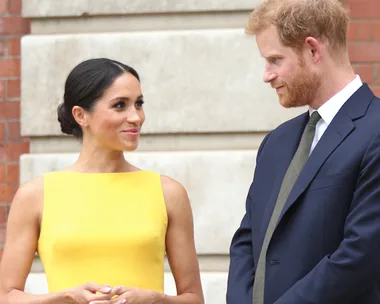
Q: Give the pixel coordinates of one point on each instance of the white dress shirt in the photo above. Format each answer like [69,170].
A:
[331,107]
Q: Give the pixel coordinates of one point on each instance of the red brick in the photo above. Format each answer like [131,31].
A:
[364,9]
[13,173]
[366,72]
[364,51]
[14,7]
[3,47]
[3,215]
[14,25]
[365,30]
[14,47]
[2,235]
[2,131]
[2,174]
[14,130]
[3,7]
[351,31]
[376,90]
[3,86]
[7,193]
[11,151]
[9,109]
[13,88]
[377,75]
[377,30]
[10,67]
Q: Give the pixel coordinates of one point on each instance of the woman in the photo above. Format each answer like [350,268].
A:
[101,220]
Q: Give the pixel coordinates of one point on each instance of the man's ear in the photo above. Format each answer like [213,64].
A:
[313,49]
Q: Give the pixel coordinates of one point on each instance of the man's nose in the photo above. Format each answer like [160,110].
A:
[269,76]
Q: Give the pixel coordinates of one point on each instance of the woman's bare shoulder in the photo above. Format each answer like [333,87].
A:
[30,194]
[172,188]
[175,195]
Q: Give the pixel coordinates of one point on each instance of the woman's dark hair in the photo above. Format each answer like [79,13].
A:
[85,84]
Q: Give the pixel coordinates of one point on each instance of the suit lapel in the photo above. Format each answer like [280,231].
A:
[328,143]
[341,126]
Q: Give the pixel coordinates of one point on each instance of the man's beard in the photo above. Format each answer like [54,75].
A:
[301,90]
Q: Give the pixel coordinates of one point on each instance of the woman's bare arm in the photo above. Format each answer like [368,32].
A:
[180,245]
[22,235]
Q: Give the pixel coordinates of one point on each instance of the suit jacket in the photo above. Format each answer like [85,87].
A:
[326,246]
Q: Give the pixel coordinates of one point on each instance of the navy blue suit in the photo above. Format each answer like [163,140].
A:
[326,246]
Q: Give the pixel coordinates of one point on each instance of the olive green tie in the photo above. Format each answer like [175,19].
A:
[294,169]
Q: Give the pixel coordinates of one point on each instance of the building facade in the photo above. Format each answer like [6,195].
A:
[207,109]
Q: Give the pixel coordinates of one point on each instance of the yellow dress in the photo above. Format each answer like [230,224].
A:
[107,228]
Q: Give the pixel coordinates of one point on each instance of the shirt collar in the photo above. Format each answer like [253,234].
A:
[331,107]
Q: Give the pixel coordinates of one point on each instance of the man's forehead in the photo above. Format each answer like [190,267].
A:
[269,42]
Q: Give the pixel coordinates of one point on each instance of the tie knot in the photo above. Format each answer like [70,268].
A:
[314,118]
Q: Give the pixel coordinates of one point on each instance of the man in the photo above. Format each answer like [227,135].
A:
[311,232]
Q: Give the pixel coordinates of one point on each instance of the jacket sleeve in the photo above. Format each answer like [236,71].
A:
[355,265]
[242,267]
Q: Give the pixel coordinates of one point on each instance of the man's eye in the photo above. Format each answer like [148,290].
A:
[273,60]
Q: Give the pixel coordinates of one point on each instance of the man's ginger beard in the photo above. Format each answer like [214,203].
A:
[302,89]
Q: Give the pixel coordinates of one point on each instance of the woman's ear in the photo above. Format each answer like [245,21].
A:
[80,116]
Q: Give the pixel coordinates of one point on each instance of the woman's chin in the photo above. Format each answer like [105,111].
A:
[129,147]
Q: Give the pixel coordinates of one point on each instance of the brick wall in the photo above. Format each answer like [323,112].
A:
[12,145]
[364,40]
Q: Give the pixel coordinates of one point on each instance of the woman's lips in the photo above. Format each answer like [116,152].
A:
[131,131]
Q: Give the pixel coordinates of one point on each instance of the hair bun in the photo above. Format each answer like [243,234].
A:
[67,125]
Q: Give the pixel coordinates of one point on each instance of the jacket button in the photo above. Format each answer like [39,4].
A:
[274,262]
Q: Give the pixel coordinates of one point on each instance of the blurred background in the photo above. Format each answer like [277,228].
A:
[206,105]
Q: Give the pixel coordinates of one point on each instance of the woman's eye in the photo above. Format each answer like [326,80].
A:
[139,103]
[119,105]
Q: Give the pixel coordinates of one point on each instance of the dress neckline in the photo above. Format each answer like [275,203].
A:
[98,173]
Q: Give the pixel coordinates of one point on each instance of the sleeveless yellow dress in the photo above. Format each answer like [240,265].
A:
[107,228]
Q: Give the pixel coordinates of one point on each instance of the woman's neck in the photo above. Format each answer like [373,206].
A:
[97,160]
